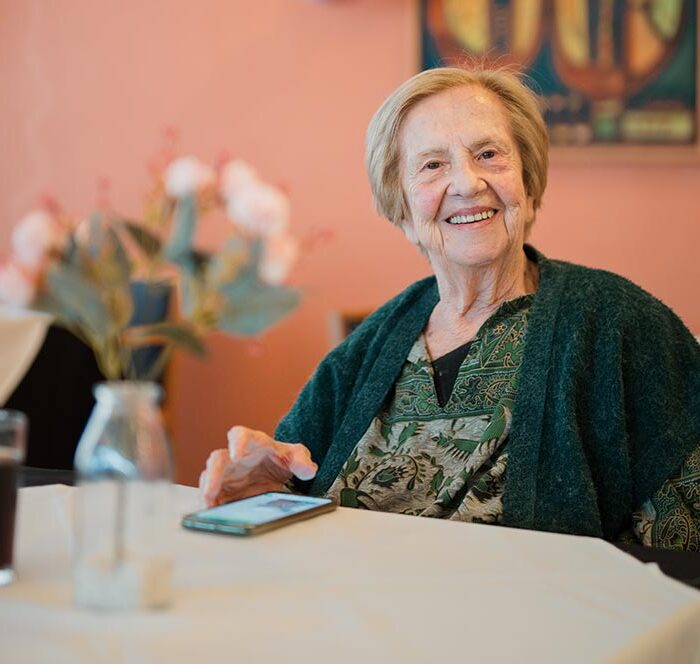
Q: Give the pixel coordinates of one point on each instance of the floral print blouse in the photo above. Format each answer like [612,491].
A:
[418,457]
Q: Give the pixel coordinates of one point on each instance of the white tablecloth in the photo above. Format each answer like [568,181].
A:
[354,586]
[21,336]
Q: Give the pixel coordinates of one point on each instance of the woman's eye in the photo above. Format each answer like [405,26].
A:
[488,154]
[432,165]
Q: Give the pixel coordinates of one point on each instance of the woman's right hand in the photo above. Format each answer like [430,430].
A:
[253,463]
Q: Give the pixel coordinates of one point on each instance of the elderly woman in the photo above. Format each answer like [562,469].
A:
[509,388]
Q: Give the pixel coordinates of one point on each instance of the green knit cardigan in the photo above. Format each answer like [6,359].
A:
[607,406]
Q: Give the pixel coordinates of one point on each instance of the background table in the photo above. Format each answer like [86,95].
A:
[354,586]
[21,335]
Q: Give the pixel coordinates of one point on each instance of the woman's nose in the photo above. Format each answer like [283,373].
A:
[465,179]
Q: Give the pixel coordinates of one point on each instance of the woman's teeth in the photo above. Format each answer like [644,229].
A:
[471,218]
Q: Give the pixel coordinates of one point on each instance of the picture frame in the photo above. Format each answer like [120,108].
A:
[341,323]
[619,79]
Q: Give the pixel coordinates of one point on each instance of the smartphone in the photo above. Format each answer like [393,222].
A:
[258,514]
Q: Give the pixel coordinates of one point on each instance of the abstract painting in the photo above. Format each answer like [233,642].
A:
[616,72]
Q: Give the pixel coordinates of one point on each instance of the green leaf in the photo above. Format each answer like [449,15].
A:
[497,425]
[463,444]
[72,254]
[348,497]
[386,431]
[78,299]
[442,440]
[119,256]
[176,333]
[352,464]
[408,431]
[227,264]
[198,260]
[190,287]
[149,243]
[437,481]
[179,243]
[411,484]
[95,235]
[46,302]
[252,307]
[257,249]
[193,262]
[387,477]
[445,497]
[235,245]
[375,451]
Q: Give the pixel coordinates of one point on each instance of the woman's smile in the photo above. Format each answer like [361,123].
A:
[473,219]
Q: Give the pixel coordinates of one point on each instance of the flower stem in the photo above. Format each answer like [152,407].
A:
[160,363]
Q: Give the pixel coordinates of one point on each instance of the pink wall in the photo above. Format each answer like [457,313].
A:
[88,87]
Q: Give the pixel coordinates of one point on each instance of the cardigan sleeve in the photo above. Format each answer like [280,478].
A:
[321,405]
[670,519]
[363,364]
[661,373]
[620,375]
[668,409]
[318,408]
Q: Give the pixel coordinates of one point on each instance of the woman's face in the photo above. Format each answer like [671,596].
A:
[461,176]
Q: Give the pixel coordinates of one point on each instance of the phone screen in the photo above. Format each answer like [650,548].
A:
[258,513]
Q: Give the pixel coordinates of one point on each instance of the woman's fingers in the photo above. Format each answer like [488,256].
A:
[249,447]
[211,479]
[252,463]
[299,461]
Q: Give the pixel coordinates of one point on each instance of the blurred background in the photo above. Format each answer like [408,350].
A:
[90,86]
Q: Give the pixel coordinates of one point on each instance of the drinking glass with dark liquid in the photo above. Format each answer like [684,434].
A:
[13,433]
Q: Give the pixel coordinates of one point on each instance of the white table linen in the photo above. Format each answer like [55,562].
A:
[21,335]
[354,586]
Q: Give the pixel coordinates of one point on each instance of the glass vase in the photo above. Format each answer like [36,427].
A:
[124,467]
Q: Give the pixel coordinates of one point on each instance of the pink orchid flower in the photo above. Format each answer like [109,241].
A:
[17,285]
[34,238]
[186,176]
[253,205]
[280,255]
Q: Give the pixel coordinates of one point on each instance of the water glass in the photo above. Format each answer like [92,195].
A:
[13,434]
[123,559]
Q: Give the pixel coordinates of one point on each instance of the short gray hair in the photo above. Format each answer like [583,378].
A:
[382,157]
